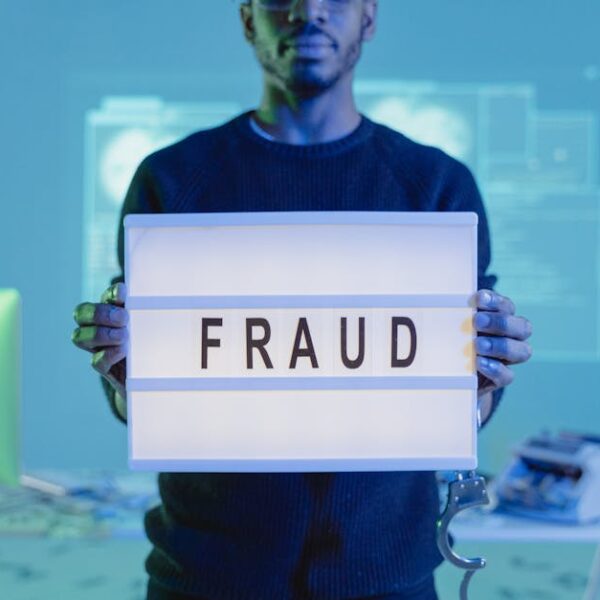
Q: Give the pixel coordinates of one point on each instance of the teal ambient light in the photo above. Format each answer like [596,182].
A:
[10,385]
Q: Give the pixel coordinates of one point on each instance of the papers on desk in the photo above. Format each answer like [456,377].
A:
[71,504]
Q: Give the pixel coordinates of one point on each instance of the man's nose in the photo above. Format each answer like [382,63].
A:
[308,10]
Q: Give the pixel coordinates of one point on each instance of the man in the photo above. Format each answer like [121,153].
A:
[300,536]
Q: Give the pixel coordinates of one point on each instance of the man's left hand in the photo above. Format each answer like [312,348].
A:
[500,340]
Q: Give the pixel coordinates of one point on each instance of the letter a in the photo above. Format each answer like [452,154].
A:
[309,350]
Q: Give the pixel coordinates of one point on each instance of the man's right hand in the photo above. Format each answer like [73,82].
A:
[102,330]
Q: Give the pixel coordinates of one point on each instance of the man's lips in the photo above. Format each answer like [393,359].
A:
[310,47]
[309,42]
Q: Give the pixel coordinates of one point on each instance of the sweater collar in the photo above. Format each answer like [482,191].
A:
[242,124]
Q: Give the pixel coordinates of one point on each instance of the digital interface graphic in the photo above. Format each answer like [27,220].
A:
[537,171]
[118,136]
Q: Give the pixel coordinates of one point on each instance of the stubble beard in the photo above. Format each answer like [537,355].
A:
[302,78]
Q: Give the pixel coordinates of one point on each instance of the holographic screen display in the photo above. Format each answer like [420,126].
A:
[537,171]
[118,136]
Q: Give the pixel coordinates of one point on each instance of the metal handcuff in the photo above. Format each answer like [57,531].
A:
[466,491]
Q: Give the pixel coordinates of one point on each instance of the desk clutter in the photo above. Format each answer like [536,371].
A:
[79,534]
[553,478]
[78,504]
[72,534]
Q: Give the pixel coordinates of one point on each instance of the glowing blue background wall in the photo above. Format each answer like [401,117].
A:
[60,61]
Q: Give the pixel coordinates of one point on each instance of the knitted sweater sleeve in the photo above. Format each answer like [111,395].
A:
[143,196]
[460,192]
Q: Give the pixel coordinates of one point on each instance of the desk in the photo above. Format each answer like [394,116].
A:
[478,525]
[110,505]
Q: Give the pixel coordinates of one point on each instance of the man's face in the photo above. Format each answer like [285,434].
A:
[309,46]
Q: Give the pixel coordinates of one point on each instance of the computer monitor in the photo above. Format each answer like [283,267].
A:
[10,385]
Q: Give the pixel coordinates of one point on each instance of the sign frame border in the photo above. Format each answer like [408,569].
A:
[216,219]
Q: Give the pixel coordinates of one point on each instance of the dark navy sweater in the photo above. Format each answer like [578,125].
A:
[283,536]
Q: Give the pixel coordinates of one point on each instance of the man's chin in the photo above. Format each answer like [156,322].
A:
[304,78]
[310,84]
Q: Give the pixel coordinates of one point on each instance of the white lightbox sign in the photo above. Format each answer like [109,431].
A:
[327,341]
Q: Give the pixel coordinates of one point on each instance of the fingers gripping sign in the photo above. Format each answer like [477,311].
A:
[115,294]
[501,340]
[102,331]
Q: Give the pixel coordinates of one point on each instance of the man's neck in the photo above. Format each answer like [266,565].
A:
[322,118]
